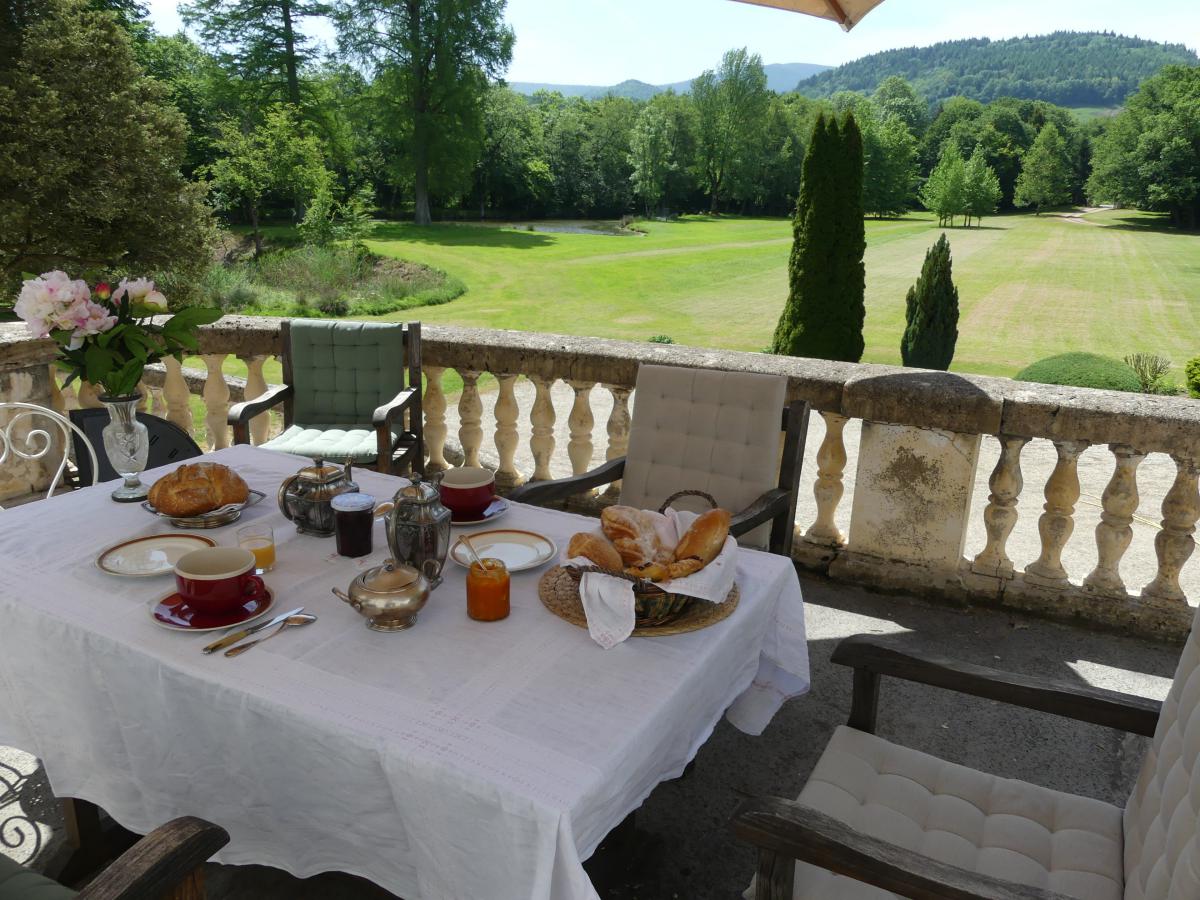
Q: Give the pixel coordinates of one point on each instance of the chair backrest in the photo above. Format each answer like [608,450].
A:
[1162,817]
[341,372]
[168,443]
[699,429]
[35,441]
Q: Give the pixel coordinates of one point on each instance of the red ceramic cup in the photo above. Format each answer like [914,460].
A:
[217,579]
[467,491]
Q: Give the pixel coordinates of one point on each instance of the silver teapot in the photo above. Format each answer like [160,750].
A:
[306,497]
[390,596]
[418,527]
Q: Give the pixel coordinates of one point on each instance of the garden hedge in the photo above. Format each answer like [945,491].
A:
[1082,370]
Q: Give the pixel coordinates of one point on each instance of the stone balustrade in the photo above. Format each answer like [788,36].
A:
[895,514]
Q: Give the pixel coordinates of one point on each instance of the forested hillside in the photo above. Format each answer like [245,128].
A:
[1066,68]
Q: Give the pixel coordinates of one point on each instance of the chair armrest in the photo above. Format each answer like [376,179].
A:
[248,409]
[784,830]
[762,510]
[158,862]
[539,492]
[872,656]
[383,416]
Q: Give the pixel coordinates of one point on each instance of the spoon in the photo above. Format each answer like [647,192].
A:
[296,620]
[471,549]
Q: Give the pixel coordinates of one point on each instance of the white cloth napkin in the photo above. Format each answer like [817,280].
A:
[609,603]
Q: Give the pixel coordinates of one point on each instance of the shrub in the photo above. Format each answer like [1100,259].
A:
[1150,369]
[335,306]
[1082,370]
[931,313]
[1191,374]
[662,339]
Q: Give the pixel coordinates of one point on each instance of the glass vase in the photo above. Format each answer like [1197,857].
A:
[127,444]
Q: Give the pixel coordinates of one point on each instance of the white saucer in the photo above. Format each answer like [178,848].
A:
[154,554]
[518,550]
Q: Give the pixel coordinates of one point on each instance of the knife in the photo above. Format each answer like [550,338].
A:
[246,632]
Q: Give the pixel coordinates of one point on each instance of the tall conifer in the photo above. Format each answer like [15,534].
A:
[823,316]
[931,313]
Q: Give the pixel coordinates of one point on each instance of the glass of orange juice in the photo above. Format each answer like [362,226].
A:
[259,539]
[487,590]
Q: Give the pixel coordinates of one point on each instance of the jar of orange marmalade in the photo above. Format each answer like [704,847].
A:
[487,590]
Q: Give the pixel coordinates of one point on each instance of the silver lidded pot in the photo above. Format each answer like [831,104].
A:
[390,596]
[306,497]
[418,527]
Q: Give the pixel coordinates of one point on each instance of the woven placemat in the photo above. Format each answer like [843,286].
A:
[559,593]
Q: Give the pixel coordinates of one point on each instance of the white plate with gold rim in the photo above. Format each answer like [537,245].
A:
[518,550]
[154,554]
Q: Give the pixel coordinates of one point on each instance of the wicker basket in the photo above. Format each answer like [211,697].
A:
[652,605]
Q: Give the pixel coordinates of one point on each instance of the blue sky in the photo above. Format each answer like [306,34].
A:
[659,41]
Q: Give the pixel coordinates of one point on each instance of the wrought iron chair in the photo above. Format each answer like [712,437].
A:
[164,865]
[22,438]
[877,820]
[351,391]
[718,432]
[168,443]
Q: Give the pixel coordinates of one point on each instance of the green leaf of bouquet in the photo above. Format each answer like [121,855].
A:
[193,316]
[98,362]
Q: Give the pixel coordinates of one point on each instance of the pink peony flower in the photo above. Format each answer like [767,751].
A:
[137,289]
[45,302]
[155,299]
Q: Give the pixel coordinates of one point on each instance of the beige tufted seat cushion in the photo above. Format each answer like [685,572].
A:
[699,429]
[1162,850]
[996,826]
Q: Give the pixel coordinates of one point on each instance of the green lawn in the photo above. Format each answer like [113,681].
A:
[1029,286]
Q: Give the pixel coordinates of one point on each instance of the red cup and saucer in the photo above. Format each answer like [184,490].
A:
[469,492]
[215,588]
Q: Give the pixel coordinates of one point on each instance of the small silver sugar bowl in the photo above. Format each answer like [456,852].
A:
[390,596]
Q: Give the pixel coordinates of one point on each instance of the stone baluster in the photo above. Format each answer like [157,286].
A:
[434,406]
[179,398]
[1113,534]
[69,394]
[58,402]
[618,430]
[470,414]
[507,439]
[158,402]
[89,396]
[1001,513]
[542,418]
[831,463]
[580,421]
[256,386]
[1174,544]
[143,390]
[1058,519]
[216,401]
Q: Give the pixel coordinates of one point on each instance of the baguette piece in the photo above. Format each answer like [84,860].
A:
[197,488]
[701,543]
[596,548]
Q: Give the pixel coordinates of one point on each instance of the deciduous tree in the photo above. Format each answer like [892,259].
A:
[945,191]
[650,155]
[731,106]
[983,187]
[1045,178]
[439,55]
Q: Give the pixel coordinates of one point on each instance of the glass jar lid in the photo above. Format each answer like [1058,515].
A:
[353,502]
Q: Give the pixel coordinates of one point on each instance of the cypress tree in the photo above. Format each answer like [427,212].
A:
[931,313]
[823,316]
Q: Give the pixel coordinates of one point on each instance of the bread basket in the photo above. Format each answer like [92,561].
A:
[652,605]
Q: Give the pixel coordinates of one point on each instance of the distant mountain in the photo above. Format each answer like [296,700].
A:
[1067,68]
[781,77]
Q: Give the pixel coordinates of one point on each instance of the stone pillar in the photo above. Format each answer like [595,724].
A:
[831,463]
[216,401]
[1058,520]
[542,416]
[1174,544]
[507,439]
[581,422]
[618,431]
[433,404]
[178,397]
[256,386]
[1001,513]
[1114,533]
[470,414]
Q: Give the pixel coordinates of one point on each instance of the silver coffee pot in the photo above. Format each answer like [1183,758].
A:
[418,527]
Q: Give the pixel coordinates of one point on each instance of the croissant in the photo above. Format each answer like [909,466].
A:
[197,488]
[635,534]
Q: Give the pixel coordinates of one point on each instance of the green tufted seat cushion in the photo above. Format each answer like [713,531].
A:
[341,373]
[19,883]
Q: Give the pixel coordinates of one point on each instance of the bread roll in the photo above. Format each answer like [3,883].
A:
[197,488]
[596,548]
[635,535]
[701,543]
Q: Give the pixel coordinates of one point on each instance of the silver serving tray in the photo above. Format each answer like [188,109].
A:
[214,518]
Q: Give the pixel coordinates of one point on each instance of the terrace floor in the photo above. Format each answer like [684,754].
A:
[683,847]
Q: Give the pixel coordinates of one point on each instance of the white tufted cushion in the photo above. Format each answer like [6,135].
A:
[699,429]
[1162,851]
[995,826]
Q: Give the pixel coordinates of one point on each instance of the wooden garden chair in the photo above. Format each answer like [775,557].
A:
[877,820]
[718,432]
[351,391]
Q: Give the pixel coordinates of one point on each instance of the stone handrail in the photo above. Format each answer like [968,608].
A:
[921,433]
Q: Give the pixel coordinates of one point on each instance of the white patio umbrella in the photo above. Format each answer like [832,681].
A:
[846,13]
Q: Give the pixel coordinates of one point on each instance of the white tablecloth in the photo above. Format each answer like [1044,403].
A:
[457,759]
